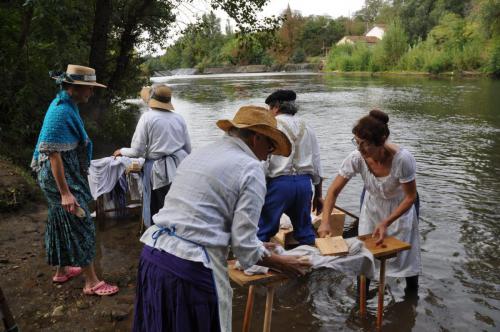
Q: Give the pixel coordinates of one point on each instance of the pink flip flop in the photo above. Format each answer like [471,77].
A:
[101,289]
[71,272]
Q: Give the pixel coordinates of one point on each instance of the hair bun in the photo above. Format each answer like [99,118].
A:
[379,115]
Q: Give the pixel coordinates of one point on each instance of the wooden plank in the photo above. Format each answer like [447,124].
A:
[332,246]
[337,220]
[284,237]
[390,246]
[261,279]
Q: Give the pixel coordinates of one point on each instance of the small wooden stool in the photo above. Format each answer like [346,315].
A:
[389,249]
[269,280]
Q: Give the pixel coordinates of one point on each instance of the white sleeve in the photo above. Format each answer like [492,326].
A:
[317,170]
[139,140]
[244,242]
[407,168]
[351,165]
[187,144]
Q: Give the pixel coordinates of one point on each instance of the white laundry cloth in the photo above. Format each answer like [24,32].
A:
[105,172]
[359,260]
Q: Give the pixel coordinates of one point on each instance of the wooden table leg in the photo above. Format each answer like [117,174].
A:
[248,309]
[362,296]
[99,208]
[381,289]
[269,309]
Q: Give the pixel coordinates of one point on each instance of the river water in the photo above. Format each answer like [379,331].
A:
[452,127]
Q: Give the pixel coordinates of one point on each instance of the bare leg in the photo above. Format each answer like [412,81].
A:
[61,271]
[89,275]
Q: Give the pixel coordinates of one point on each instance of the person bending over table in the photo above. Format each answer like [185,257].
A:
[388,173]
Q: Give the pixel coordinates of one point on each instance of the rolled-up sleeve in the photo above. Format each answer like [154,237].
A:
[244,242]
[407,168]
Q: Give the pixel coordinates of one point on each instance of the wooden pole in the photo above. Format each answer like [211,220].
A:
[269,309]
[362,296]
[6,315]
[381,288]
[247,319]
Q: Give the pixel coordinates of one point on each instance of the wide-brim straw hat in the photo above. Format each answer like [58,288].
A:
[79,75]
[159,96]
[260,120]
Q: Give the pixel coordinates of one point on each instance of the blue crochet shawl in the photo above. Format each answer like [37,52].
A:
[62,130]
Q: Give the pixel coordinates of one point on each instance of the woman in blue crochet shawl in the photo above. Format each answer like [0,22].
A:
[61,159]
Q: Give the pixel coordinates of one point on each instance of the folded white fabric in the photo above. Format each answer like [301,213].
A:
[105,172]
[254,269]
[358,261]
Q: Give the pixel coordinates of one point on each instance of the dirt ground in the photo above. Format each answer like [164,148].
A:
[26,279]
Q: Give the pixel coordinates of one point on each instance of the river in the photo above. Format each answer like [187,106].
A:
[452,127]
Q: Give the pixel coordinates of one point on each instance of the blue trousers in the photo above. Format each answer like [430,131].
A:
[290,194]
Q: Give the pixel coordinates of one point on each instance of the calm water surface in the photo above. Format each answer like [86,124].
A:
[453,129]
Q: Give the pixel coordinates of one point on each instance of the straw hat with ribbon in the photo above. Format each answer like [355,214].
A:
[159,96]
[78,75]
[260,120]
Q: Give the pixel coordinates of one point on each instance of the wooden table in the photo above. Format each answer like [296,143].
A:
[269,280]
[389,249]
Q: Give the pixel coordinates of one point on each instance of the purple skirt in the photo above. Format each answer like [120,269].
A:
[174,294]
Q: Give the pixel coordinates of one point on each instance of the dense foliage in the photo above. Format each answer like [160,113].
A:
[455,36]
[38,36]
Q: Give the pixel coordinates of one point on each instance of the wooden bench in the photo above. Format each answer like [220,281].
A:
[269,281]
[390,248]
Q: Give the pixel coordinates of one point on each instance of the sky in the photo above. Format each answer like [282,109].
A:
[187,12]
[333,8]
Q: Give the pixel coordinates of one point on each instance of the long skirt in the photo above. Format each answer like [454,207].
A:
[174,294]
[69,240]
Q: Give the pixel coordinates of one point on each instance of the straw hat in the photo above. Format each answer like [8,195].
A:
[158,96]
[78,75]
[260,120]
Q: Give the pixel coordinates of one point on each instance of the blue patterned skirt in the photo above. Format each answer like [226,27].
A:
[69,240]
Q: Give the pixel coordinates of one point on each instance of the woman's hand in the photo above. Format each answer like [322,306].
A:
[117,153]
[69,203]
[379,232]
[324,229]
[317,205]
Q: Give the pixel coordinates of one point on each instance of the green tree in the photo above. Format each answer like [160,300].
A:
[318,32]
[394,43]
[43,35]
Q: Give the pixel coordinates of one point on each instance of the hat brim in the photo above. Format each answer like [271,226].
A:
[75,82]
[282,144]
[153,103]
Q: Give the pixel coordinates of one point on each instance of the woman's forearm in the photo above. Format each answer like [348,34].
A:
[57,167]
[331,197]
